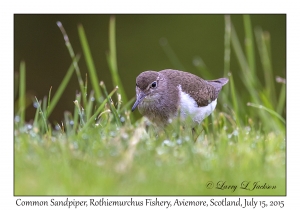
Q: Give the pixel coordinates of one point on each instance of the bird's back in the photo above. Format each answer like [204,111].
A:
[203,91]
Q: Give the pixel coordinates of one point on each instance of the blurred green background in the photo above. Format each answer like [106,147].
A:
[39,42]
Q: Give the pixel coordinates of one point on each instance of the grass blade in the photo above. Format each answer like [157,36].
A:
[171,54]
[76,112]
[99,109]
[227,50]
[16,84]
[90,62]
[128,105]
[282,95]
[80,111]
[67,127]
[44,109]
[111,105]
[36,116]
[42,114]
[89,107]
[74,60]
[249,44]
[268,110]
[62,87]
[227,54]
[49,100]
[246,74]
[202,68]
[22,92]
[234,99]
[263,38]
[112,58]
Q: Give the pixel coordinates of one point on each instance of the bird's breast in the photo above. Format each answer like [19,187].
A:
[190,109]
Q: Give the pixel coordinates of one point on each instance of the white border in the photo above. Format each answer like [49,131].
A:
[8,8]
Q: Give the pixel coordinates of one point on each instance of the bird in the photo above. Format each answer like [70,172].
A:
[164,95]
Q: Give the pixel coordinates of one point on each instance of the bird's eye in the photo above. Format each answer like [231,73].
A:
[153,85]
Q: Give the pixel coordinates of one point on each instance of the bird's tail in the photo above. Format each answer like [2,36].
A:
[221,81]
[218,83]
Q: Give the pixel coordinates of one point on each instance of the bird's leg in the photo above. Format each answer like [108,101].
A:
[194,132]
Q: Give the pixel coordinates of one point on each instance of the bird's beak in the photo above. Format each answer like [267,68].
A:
[139,99]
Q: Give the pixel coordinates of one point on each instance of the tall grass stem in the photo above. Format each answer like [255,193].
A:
[74,59]
[22,92]
[90,62]
[112,59]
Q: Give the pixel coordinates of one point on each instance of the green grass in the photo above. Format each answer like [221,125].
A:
[100,150]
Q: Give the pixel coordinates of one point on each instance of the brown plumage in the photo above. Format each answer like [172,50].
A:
[203,92]
[159,95]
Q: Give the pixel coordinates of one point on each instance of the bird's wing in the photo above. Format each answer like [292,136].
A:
[204,92]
